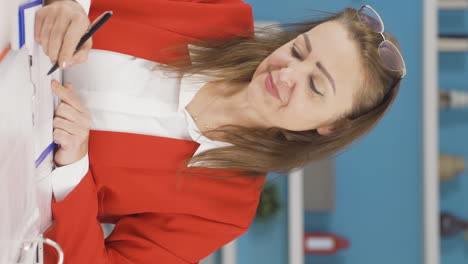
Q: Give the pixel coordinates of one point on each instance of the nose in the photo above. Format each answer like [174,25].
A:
[285,83]
[285,78]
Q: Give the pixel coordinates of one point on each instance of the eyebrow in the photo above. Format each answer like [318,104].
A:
[319,64]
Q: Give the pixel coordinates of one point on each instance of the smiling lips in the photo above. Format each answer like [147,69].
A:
[271,87]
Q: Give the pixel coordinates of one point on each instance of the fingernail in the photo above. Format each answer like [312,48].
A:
[54,84]
[64,64]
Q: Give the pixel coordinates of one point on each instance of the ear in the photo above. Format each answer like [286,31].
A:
[330,129]
[326,130]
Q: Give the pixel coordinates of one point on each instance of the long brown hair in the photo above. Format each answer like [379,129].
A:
[259,151]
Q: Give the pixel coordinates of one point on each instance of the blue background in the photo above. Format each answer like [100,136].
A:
[378,180]
[453,69]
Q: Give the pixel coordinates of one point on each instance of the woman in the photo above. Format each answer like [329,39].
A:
[234,109]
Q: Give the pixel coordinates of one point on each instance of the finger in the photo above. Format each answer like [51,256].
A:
[45,32]
[67,95]
[38,21]
[82,54]
[63,138]
[75,31]
[68,126]
[67,112]
[56,37]
[68,85]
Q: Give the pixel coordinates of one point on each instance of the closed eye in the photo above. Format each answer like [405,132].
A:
[312,86]
[295,53]
[298,56]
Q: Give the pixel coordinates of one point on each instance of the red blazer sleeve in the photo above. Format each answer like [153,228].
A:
[162,238]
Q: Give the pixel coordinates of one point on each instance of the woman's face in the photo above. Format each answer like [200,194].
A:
[316,76]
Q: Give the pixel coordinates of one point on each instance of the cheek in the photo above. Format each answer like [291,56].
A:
[305,112]
[252,94]
[302,105]
[278,60]
[262,67]
[255,93]
[275,60]
[302,100]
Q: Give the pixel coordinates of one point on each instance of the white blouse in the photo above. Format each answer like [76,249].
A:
[124,94]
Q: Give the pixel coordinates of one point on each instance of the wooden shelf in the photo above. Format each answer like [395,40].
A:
[447,44]
[453,4]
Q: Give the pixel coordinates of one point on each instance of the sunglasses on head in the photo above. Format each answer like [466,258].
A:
[388,51]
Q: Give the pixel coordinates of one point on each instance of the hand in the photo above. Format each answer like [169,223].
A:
[59,27]
[71,126]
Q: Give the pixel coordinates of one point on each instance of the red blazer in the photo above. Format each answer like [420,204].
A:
[132,178]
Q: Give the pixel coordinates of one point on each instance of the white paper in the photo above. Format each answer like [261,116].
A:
[17,189]
[26,112]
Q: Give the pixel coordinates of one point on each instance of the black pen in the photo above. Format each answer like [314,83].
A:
[97,23]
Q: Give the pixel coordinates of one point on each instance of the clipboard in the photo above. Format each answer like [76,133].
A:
[26,17]
[25,66]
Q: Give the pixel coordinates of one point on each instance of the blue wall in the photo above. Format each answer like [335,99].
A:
[379,180]
[453,69]
[267,242]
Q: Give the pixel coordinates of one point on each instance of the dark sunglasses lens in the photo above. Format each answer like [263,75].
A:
[391,56]
[370,19]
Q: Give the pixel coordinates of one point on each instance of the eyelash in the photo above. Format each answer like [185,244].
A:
[296,55]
